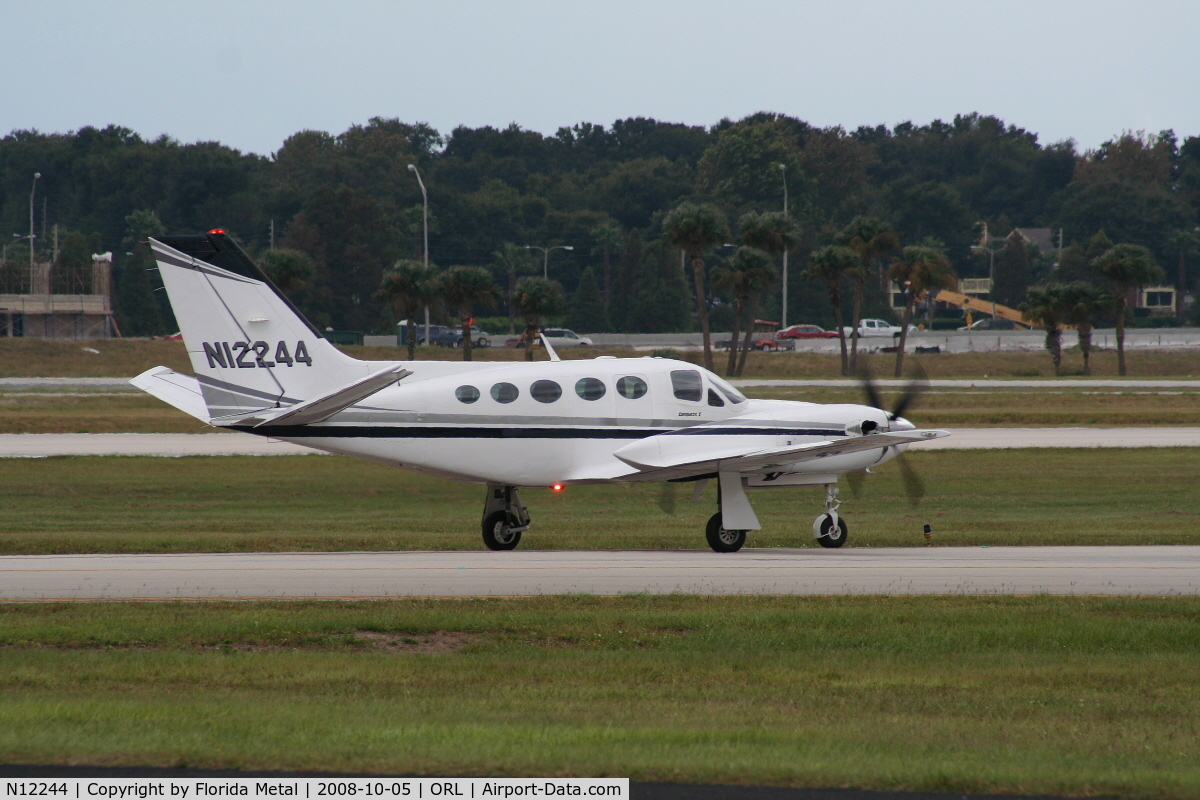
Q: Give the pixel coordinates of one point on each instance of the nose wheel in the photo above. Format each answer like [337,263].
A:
[830,529]
[504,518]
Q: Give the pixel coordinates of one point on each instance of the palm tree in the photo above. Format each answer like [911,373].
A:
[1127,266]
[921,271]
[693,229]
[462,288]
[1048,305]
[829,265]
[774,233]
[409,286]
[537,298]
[743,276]
[511,260]
[871,239]
[1084,302]
[607,238]
[289,270]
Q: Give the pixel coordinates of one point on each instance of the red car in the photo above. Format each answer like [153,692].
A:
[805,332]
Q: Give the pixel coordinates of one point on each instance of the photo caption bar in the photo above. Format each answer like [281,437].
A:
[417,788]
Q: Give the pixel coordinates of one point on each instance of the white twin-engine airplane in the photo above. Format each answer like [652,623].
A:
[260,367]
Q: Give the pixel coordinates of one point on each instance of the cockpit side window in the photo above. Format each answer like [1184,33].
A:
[733,395]
[687,384]
[714,399]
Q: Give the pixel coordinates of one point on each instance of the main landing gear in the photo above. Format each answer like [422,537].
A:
[829,529]
[504,517]
[721,540]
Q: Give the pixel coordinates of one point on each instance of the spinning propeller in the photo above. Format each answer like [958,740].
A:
[914,487]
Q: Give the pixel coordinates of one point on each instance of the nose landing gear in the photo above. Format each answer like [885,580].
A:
[504,518]
[829,529]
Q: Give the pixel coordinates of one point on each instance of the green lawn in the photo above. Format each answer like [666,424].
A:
[996,497]
[1087,696]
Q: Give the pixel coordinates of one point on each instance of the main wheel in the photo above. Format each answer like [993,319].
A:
[831,535]
[721,540]
[498,533]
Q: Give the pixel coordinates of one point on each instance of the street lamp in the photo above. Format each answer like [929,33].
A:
[546,253]
[425,249]
[783,312]
[991,267]
[32,238]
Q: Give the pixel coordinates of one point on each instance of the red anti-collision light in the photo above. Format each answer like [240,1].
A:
[217,230]
[558,487]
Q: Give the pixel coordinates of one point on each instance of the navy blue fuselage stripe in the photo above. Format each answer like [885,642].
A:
[444,432]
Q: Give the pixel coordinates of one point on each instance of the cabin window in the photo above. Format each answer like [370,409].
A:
[545,391]
[466,394]
[687,384]
[732,394]
[714,399]
[590,388]
[504,393]
[631,388]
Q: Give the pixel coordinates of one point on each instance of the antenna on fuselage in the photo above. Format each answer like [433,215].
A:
[549,348]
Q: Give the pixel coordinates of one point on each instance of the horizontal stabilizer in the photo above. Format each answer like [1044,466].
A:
[645,456]
[181,391]
[326,406]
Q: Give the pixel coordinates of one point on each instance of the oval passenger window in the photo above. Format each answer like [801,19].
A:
[545,391]
[466,394]
[631,388]
[590,388]
[504,393]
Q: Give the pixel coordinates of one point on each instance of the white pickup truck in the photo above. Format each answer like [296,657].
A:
[873,327]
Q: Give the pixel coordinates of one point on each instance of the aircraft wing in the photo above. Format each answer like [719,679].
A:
[647,455]
[181,391]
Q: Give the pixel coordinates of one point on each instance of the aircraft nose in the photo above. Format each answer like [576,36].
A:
[901,424]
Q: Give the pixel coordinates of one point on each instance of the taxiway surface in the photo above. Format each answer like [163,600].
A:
[1166,570]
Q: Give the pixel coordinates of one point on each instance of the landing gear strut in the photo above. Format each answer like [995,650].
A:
[504,517]
[829,529]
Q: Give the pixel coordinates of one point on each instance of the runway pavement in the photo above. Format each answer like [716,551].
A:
[1173,570]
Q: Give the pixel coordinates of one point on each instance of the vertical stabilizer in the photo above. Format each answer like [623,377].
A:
[249,346]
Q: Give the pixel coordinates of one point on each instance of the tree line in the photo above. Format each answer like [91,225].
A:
[352,205]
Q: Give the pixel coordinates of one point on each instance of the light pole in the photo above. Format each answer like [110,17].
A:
[783,312]
[546,253]
[991,267]
[425,248]
[32,238]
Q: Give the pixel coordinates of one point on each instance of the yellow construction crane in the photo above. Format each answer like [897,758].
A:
[969,304]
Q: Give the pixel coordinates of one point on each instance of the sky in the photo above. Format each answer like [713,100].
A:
[251,73]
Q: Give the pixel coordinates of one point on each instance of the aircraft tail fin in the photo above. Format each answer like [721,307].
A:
[250,348]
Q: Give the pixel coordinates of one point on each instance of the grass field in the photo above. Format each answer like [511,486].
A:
[1080,696]
[999,497]
[20,357]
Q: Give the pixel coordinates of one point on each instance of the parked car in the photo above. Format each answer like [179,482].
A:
[875,327]
[451,336]
[992,324]
[805,332]
[561,337]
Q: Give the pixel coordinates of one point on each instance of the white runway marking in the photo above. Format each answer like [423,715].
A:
[1166,570]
